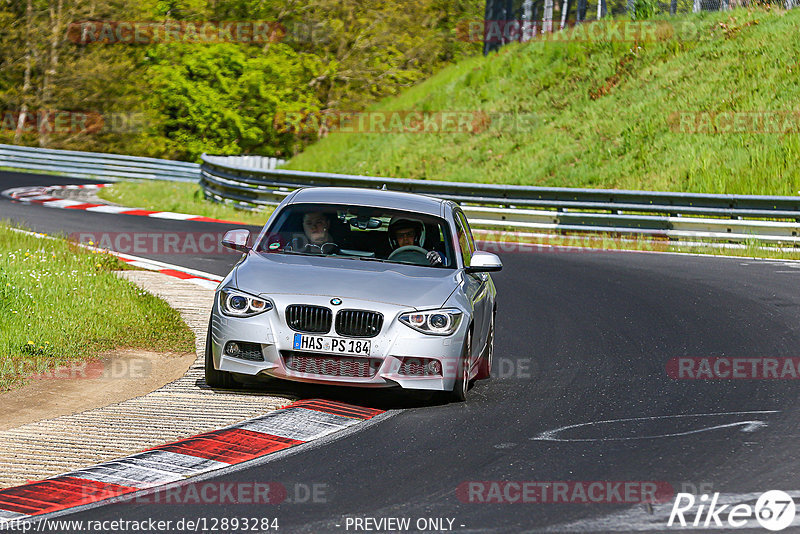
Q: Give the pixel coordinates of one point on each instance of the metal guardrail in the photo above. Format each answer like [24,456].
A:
[255,162]
[96,164]
[253,182]
[553,209]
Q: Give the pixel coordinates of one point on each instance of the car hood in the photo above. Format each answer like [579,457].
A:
[403,285]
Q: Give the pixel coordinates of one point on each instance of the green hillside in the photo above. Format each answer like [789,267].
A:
[608,114]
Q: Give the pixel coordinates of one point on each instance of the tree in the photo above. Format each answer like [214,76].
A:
[42,70]
[220,99]
[339,55]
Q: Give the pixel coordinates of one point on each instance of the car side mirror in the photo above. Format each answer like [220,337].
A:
[484,262]
[237,240]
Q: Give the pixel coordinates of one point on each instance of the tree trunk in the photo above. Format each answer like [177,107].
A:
[580,16]
[508,18]
[528,26]
[547,19]
[564,12]
[488,18]
[56,13]
[601,9]
[26,83]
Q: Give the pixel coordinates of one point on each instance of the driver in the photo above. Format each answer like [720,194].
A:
[410,233]
[316,226]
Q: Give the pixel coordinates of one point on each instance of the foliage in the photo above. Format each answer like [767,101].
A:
[220,100]
[644,9]
[191,97]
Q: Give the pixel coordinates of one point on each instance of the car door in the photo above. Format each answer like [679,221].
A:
[476,286]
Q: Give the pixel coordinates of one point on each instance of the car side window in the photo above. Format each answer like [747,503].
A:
[468,231]
[462,233]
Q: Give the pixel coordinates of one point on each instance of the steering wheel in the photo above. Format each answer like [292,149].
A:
[411,254]
[301,244]
[325,248]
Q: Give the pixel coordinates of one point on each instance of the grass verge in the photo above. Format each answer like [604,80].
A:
[712,111]
[61,305]
[177,197]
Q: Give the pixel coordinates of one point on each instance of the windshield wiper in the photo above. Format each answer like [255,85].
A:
[369,258]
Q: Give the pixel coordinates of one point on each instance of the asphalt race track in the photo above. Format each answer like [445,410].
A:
[582,337]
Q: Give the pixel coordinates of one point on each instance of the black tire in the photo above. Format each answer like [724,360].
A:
[461,385]
[485,365]
[215,378]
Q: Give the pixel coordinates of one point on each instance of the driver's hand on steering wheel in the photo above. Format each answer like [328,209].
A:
[434,258]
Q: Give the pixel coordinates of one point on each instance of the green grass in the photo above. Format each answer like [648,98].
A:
[504,240]
[750,249]
[177,197]
[605,114]
[61,304]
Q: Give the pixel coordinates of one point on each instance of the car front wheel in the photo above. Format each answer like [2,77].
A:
[485,365]
[214,377]
[461,385]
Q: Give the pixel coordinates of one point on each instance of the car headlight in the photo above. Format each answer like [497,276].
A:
[238,304]
[436,322]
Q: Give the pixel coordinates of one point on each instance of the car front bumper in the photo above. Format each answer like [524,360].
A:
[389,348]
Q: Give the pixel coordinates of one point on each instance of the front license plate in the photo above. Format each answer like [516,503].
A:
[332,345]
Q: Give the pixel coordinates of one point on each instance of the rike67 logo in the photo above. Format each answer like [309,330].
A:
[774,510]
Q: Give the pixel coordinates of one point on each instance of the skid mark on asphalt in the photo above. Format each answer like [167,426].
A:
[749,425]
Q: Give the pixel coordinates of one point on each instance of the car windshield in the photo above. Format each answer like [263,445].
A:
[360,233]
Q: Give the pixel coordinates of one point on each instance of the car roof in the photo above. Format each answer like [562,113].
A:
[378,198]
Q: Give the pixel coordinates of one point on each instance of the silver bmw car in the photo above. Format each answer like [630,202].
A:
[356,287]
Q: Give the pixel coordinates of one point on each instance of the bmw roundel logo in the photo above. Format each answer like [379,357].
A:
[336,301]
